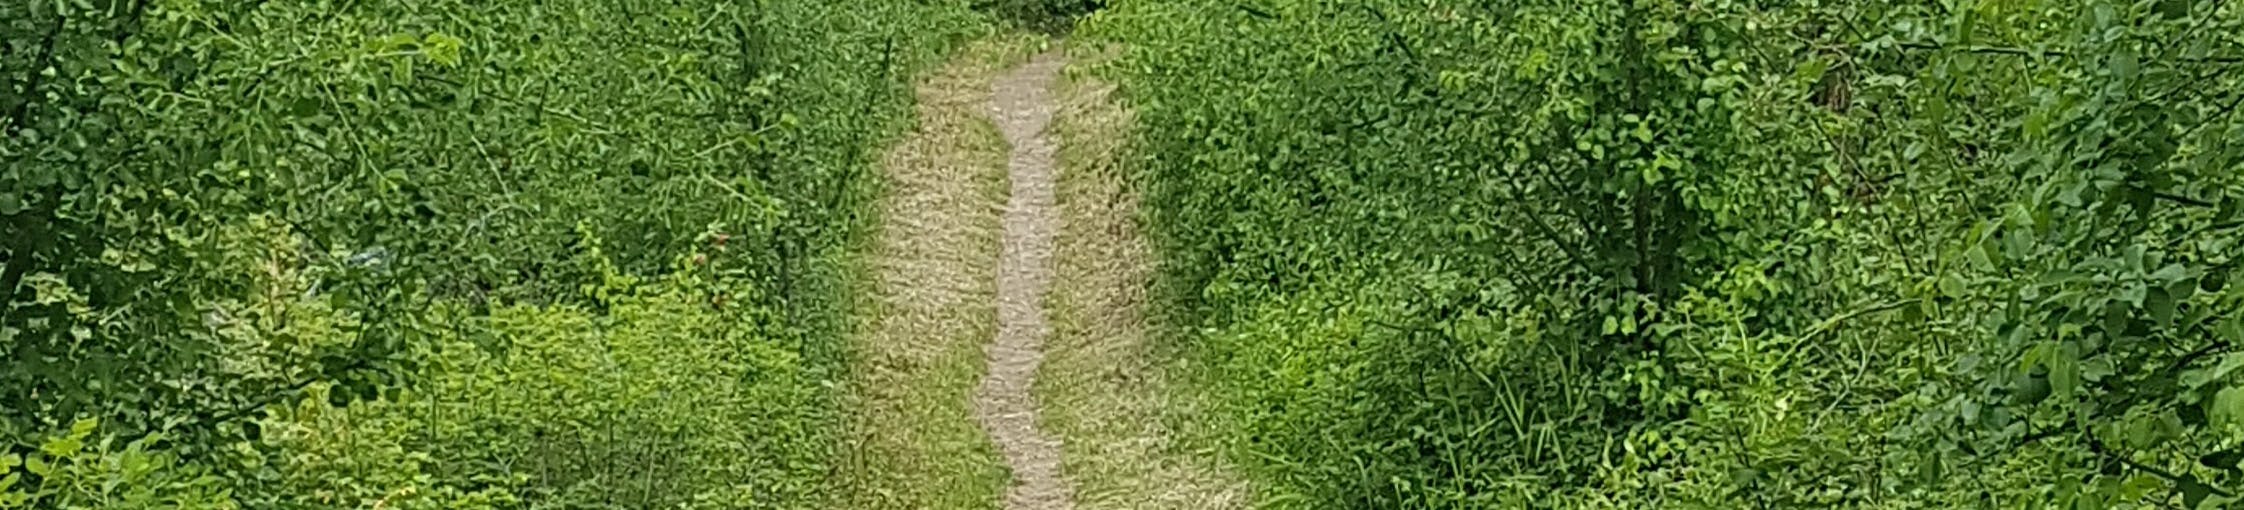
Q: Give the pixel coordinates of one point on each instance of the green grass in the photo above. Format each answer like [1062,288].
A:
[1109,389]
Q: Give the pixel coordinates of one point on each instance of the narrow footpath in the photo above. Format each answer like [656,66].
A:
[1005,358]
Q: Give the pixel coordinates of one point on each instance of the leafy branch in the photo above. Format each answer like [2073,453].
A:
[38,72]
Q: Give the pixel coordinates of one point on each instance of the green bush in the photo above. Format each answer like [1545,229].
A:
[240,232]
[669,398]
[1046,15]
[76,469]
[1645,253]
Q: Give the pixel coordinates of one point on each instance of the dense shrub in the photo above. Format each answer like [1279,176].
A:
[1045,15]
[333,253]
[1647,253]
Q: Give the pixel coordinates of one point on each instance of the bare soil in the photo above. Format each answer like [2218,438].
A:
[1022,106]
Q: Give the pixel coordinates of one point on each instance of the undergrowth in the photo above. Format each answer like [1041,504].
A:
[1649,253]
[573,254]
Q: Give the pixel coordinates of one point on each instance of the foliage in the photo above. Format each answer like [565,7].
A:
[1646,253]
[327,253]
[1044,15]
[68,472]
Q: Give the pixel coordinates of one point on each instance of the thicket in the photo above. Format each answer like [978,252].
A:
[435,254]
[1703,254]
[1042,15]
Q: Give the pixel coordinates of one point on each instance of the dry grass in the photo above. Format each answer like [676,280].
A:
[931,303]
[1107,391]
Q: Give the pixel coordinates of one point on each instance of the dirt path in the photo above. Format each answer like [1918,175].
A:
[1022,106]
[1008,290]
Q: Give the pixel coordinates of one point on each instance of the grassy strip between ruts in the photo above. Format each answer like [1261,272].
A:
[1119,404]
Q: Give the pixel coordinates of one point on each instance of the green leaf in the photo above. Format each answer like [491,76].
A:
[2123,65]
[2182,290]
[1952,285]
[2193,491]
[2029,390]
[2160,306]
[2116,319]
[2096,368]
[2171,273]
[63,447]
[2173,9]
[2225,459]
[2229,362]
[2228,405]
[1811,71]
[442,48]
[1744,477]
[2064,371]
[2142,433]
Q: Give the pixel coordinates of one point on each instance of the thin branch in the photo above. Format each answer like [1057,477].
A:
[21,117]
[1834,321]
[1255,11]
[2025,52]
[2193,356]
[1884,214]
[2097,446]
[2227,109]
[2175,198]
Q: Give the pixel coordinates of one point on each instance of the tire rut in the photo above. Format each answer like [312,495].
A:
[1022,106]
